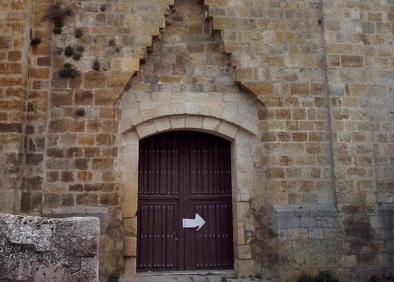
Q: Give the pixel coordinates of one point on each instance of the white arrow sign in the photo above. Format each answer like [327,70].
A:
[198,222]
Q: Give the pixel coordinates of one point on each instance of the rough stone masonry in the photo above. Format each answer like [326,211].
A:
[41,249]
[302,88]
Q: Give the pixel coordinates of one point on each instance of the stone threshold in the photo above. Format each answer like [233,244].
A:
[182,276]
[227,273]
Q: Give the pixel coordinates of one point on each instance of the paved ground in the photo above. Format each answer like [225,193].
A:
[220,277]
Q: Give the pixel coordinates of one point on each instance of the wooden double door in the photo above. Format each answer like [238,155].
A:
[182,174]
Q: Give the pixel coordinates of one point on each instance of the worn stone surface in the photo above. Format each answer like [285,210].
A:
[15,22]
[100,212]
[323,138]
[188,83]
[202,277]
[48,249]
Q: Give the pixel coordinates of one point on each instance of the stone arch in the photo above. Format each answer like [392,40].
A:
[243,179]
[189,108]
[208,124]
[187,83]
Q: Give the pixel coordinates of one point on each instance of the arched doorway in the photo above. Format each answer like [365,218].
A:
[184,175]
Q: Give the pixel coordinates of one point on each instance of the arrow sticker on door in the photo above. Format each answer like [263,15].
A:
[198,222]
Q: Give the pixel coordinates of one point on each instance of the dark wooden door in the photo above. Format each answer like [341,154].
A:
[182,173]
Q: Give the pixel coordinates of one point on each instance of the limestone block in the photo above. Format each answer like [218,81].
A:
[244,180]
[228,130]
[240,233]
[325,221]
[376,222]
[244,194]
[126,65]
[130,226]
[178,97]
[130,159]
[197,97]
[233,117]
[193,121]
[247,60]
[210,123]
[216,112]
[118,79]
[130,266]
[161,96]
[143,97]
[241,211]
[231,97]
[244,150]
[205,110]
[348,261]
[316,233]
[148,114]
[244,268]
[145,129]
[162,124]
[287,221]
[145,106]
[217,97]
[130,247]
[325,198]
[102,213]
[180,109]
[308,221]
[136,118]
[244,252]
[178,122]
[250,126]
[129,199]
[130,138]
[7,200]
[193,109]
[244,165]
[54,245]
[244,137]
[166,109]
[297,234]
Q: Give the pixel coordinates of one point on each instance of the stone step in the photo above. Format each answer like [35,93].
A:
[225,277]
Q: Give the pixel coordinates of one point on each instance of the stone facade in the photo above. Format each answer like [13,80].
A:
[303,89]
[187,83]
[41,249]
[14,66]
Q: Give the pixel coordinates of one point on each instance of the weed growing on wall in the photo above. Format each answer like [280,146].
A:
[78,33]
[68,51]
[57,14]
[35,41]
[68,71]
[96,65]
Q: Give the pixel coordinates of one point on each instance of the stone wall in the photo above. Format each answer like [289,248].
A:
[14,67]
[69,138]
[310,232]
[187,83]
[311,79]
[358,39]
[277,49]
[358,53]
[46,249]
[383,222]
